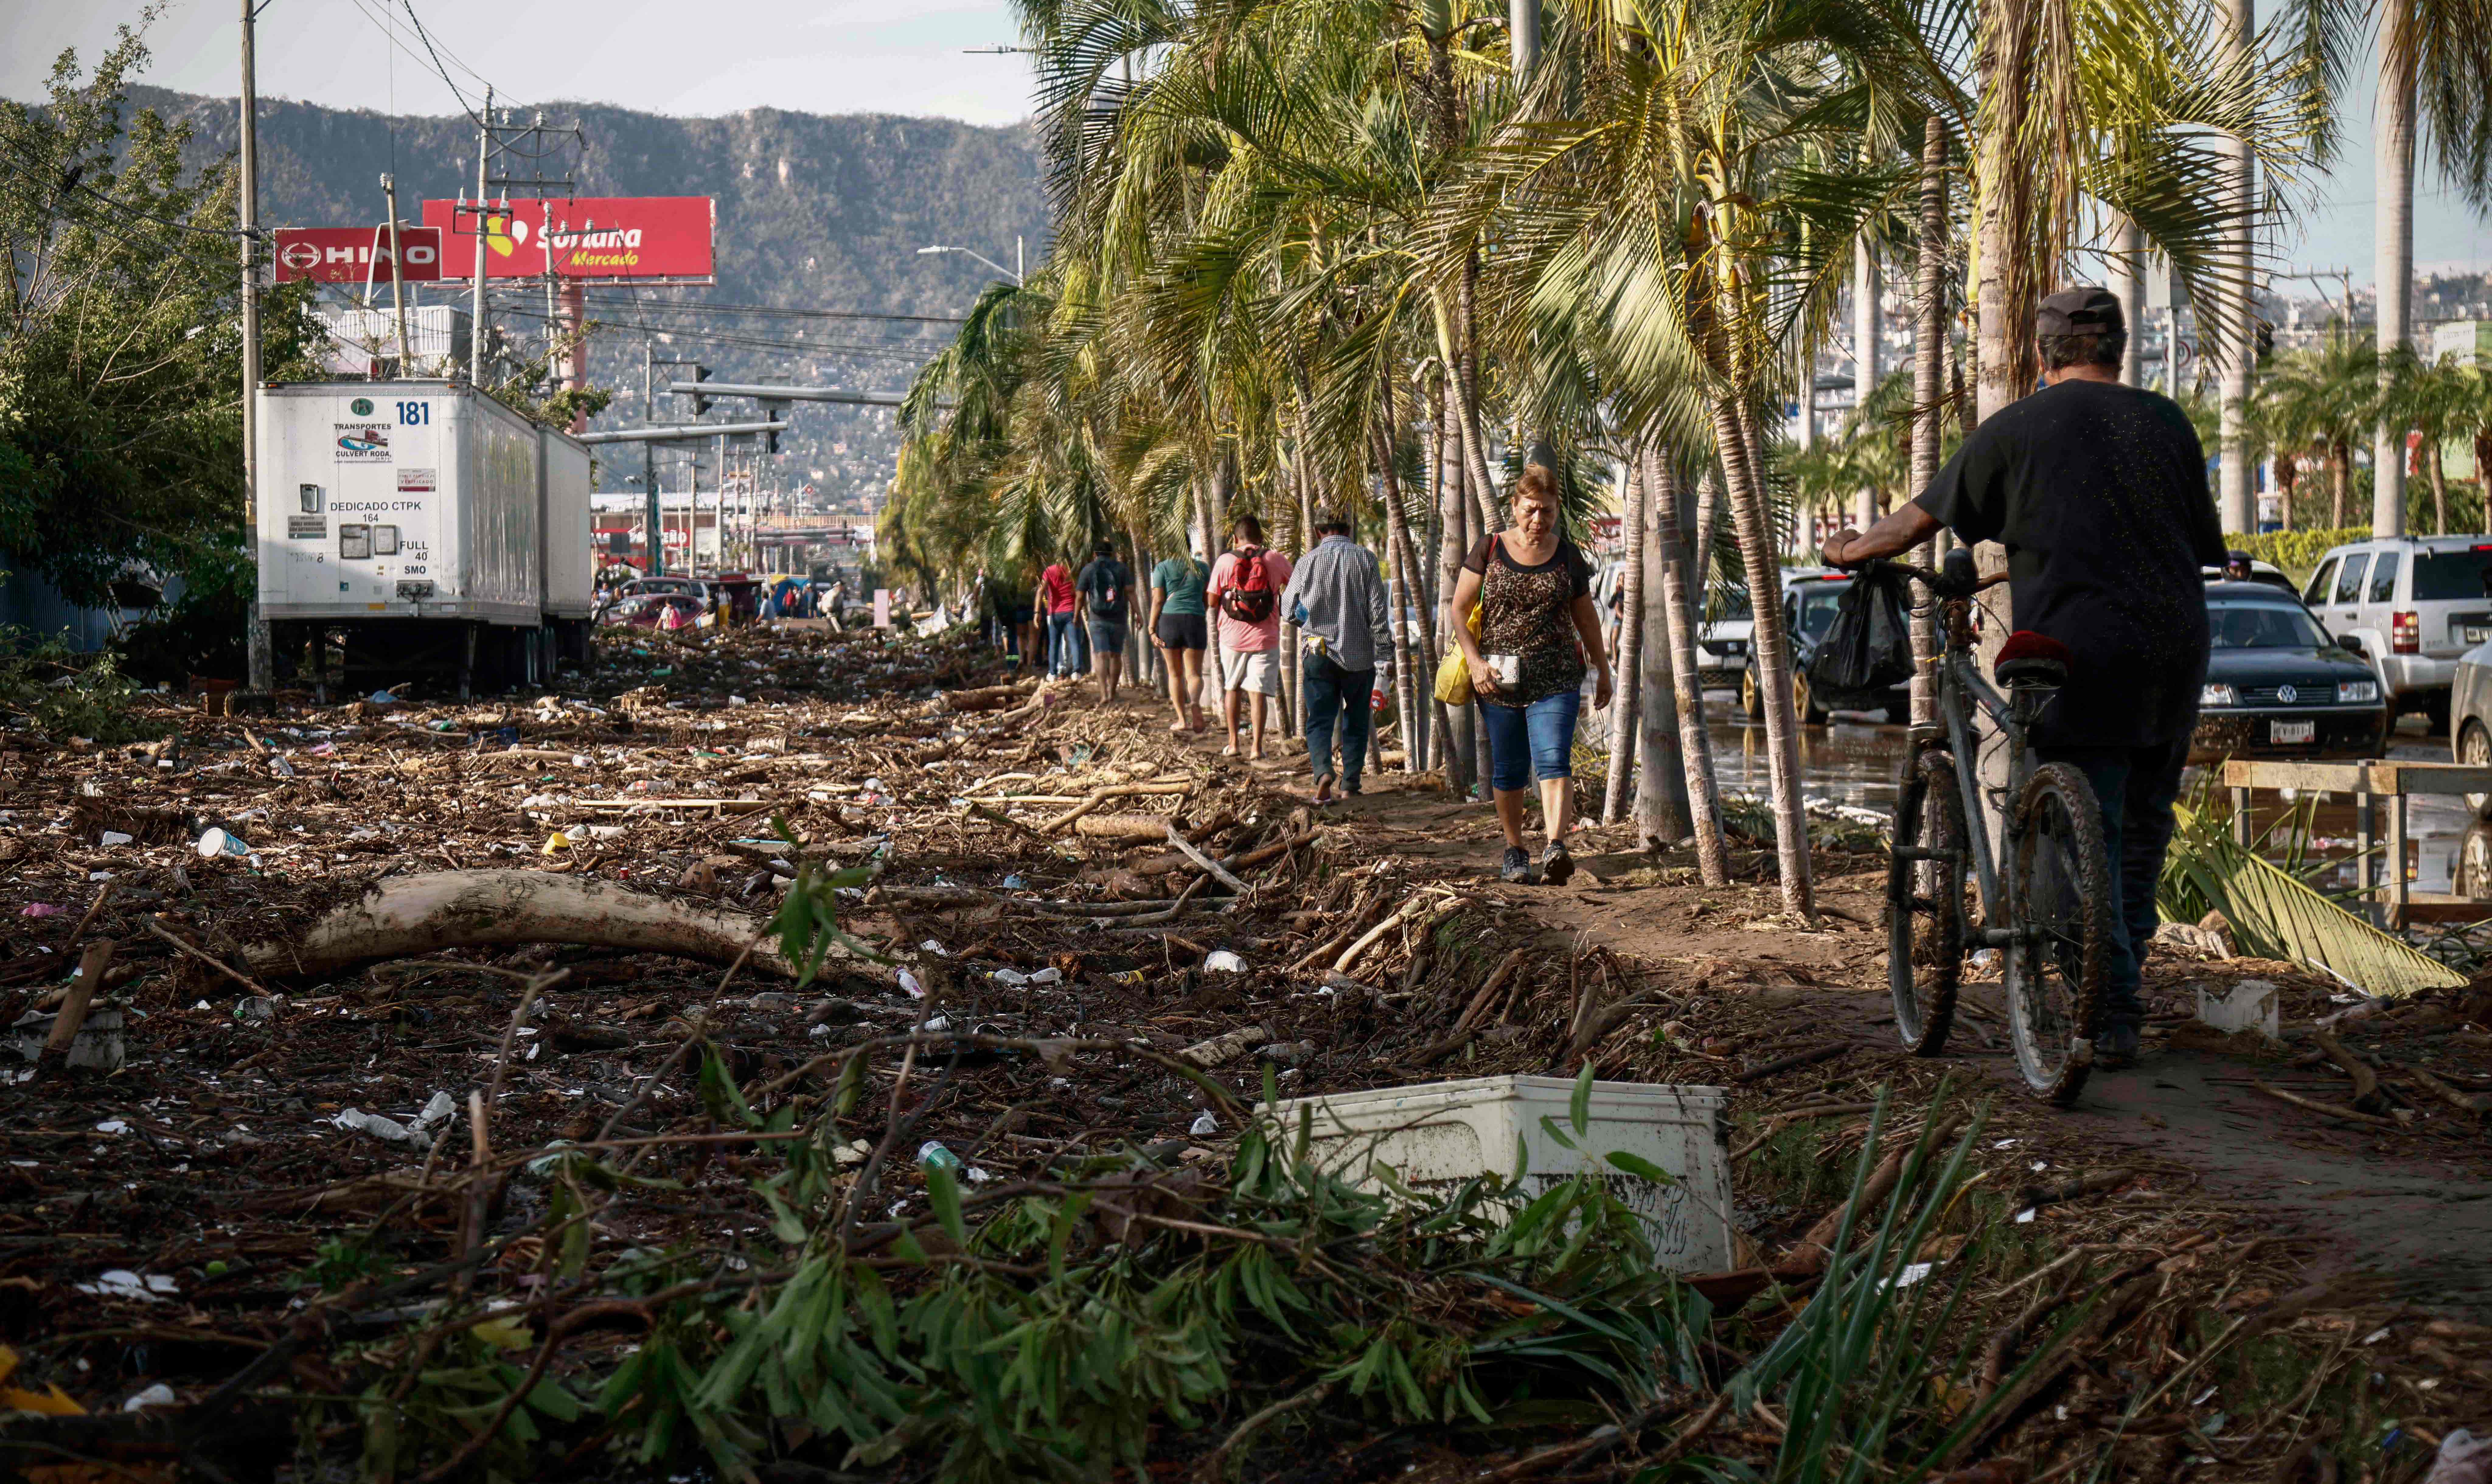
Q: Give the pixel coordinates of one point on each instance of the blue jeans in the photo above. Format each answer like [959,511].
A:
[1333,692]
[2135,787]
[1063,644]
[1532,741]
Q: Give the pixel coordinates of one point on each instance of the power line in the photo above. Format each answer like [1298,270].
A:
[434,53]
[710,306]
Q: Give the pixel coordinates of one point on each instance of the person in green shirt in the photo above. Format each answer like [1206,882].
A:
[1178,630]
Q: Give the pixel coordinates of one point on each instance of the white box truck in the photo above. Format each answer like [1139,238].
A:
[567,475]
[403,530]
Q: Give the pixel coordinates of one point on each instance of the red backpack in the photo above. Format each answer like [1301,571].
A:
[1249,598]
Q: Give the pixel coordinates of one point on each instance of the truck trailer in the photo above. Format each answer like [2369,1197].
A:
[419,530]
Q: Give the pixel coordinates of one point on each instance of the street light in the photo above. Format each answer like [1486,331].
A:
[1009,273]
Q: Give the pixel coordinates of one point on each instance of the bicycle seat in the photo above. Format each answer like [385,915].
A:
[2029,658]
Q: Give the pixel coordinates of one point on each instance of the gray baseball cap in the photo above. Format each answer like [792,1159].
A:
[2084,310]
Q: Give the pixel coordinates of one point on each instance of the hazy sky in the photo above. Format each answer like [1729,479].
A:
[820,56]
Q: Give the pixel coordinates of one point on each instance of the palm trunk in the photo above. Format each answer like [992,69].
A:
[1626,708]
[1708,518]
[1141,658]
[2288,472]
[2439,489]
[1865,316]
[2393,174]
[1754,523]
[1453,544]
[1929,357]
[1398,536]
[1428,710]
[1215,535]
[1702,805]
[2340,476]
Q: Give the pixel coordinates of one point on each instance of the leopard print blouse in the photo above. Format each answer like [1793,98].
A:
[1528,611]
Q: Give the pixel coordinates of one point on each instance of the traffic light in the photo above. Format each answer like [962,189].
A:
[773,412]
[2265,341]
[700,403]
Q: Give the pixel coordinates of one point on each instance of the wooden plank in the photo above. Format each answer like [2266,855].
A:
[2441,907]
[2256,773]
[2401,777]
[2395,863]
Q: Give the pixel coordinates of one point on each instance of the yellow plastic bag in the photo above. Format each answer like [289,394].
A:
[1453,673]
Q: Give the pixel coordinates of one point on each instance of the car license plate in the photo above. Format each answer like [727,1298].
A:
[2477,633]
[2281,732]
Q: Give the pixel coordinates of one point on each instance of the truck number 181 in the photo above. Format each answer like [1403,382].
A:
[414,414]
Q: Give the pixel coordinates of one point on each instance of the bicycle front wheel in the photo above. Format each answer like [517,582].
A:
[2061,907]
[1925,912]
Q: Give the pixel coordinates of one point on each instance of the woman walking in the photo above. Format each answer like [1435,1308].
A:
[1180,632]
[1538,629]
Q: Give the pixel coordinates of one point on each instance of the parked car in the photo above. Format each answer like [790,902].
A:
[648,610]
[646,587]
[2279,686]
[2269,572]
[2414,603]
[1810,597]
[1722,644]
[1721,640]
[2470,716]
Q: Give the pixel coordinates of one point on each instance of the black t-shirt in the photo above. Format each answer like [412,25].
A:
[2099,493]
[1109,585]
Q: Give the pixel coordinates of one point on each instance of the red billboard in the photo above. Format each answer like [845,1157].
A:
[640,238]
[353,254]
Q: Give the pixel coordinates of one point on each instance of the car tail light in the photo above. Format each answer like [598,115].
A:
[2405,633]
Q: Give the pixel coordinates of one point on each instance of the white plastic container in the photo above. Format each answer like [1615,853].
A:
[398,499]
[1443,1132]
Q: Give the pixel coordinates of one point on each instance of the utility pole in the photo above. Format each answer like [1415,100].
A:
[656,565]
[397,279]
[484,246]
[261,661]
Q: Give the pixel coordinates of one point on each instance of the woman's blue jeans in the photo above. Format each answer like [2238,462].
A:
[1532,741]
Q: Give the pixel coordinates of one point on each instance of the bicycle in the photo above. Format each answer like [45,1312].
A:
[2050,916]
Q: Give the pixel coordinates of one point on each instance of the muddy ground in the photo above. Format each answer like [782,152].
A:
[160,1222]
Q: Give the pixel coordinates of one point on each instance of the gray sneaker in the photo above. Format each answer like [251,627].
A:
[1556,865]
[1517,866]
[2118,1045]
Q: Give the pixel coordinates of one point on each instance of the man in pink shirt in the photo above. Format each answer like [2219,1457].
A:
[1245,591]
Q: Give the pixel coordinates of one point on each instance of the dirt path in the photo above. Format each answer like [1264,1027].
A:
[2411,1206]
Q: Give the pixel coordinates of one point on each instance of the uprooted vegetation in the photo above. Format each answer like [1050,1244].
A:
[985,1196]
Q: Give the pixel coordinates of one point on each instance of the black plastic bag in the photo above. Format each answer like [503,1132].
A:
[1870,646]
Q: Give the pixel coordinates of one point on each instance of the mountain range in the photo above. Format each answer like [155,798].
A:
[815,212]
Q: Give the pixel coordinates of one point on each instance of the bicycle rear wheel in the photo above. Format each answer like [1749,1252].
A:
[2060,896]
[1925,911]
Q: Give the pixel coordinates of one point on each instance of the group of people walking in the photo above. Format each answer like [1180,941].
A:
[1522,614]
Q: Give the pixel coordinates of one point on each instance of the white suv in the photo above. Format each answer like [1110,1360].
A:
[2414,603]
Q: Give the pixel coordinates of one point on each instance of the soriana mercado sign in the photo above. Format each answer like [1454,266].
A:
[671,239]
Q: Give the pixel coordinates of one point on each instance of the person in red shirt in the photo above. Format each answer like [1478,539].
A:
[1056,600]
[1250,627]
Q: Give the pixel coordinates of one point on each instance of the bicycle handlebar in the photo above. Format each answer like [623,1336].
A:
[1936,582]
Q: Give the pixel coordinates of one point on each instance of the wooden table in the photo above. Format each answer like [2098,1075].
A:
[2371,783]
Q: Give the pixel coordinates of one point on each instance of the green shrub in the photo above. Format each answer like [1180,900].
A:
[2296,551]
[62,693]
[202,632]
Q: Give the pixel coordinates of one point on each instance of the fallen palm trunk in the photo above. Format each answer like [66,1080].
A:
[413,915]
[1125,829]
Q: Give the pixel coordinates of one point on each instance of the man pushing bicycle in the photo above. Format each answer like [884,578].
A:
[2098,491]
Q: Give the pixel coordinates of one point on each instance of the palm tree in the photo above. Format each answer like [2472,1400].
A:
[2434,68]
[2326,401]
